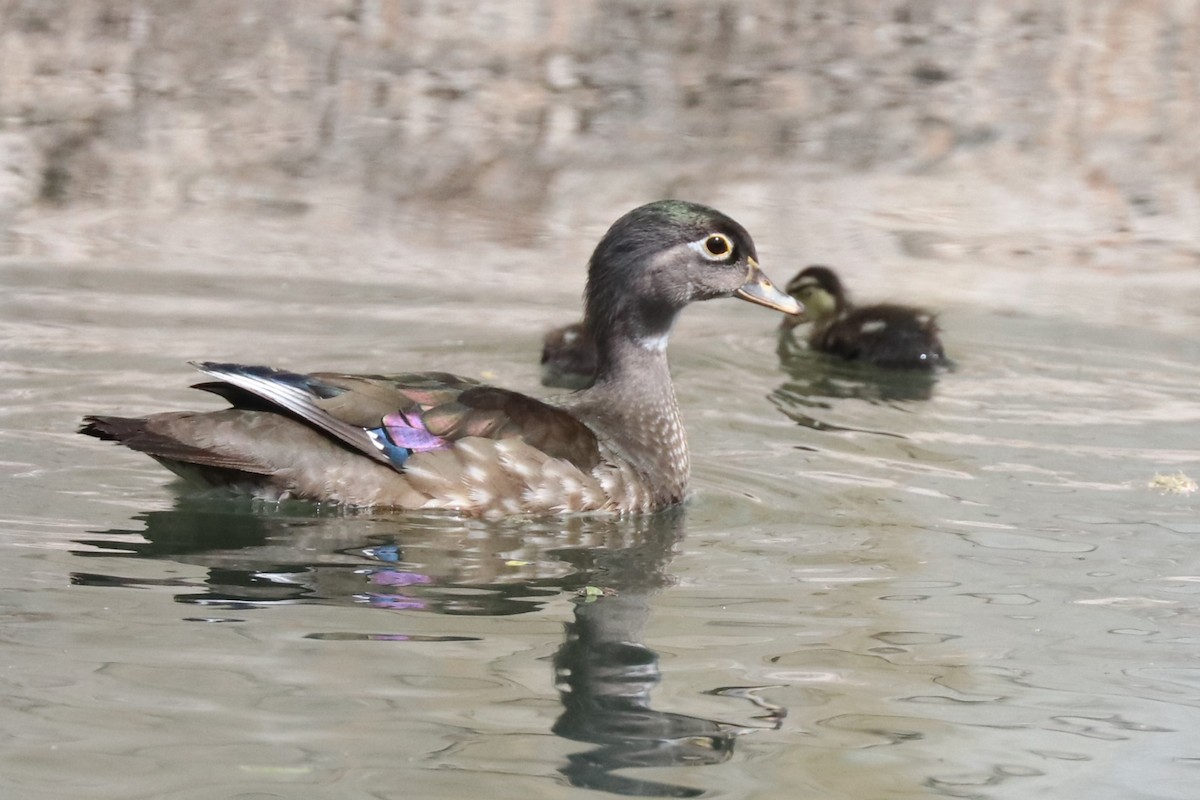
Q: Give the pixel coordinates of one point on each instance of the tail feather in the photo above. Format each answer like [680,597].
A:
[140,434]
[113,429]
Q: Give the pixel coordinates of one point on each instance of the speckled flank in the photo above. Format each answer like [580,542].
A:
[502,477]
[477,477]
[652,467]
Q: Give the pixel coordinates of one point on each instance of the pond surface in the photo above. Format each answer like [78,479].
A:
[882,586]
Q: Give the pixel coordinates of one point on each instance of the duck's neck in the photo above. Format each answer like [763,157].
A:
[636,360]
[633,400]
[825,311]
[626,334]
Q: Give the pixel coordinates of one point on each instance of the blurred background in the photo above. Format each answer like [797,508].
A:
[1012,154]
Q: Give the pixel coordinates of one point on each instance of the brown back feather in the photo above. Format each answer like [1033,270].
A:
[499,413]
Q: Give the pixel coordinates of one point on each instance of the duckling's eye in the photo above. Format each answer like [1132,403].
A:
[718,245]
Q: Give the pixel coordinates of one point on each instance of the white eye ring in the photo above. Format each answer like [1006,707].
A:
[714,247]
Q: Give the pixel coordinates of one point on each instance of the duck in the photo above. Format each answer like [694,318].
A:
[434,441]
[568,357]
[886,334]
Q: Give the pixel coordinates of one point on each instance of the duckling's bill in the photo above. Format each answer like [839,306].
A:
[759,289]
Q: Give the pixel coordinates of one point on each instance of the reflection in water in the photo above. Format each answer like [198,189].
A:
[605,680]
[815,374]
[257,556]
[815,377]
[604,674]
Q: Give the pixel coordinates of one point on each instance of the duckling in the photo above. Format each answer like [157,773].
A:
[886,335]
[569,357]
[441,442]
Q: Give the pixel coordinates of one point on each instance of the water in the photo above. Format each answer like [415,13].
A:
[882,587]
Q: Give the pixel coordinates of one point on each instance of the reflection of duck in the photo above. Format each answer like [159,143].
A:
[435,565]
[605,676]
[814,378]
[436,441]
[285,554]
[886,335]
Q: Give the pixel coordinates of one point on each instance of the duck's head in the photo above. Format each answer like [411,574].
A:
[658,258]
[819,291]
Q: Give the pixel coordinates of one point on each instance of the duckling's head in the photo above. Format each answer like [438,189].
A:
[821,294]
[658,258]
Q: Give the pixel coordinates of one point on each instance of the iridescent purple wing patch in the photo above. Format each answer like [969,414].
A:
[410,433]
[400,436]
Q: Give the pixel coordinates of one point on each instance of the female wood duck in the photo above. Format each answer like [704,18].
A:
[437,441]
[886,335]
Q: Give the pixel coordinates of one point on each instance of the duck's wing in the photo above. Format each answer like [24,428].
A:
[388,418]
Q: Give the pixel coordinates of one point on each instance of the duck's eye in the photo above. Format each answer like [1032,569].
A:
[714,247]
[718,245]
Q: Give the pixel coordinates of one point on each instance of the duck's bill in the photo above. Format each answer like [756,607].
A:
[759,289]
